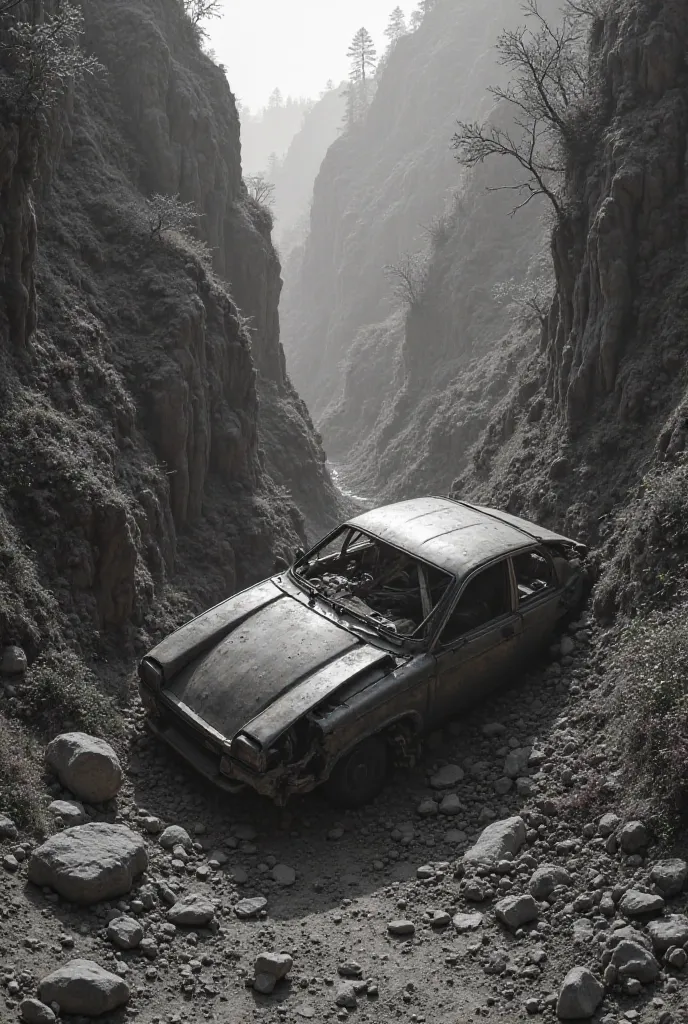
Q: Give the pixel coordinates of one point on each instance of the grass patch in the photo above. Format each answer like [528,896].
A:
[21,777]
[651,671]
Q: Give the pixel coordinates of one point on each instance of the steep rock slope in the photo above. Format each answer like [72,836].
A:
[378,187]
[593,434]
[136,480]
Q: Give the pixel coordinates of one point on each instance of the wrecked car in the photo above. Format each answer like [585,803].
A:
[328,672]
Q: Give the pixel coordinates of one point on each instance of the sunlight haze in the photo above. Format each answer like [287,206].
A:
[297,47]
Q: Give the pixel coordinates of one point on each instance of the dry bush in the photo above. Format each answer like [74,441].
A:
[409,278]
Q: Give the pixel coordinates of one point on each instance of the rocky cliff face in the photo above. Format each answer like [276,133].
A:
[593,434]
[136,380]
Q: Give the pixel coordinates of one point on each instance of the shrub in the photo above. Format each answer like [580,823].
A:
[409,277]
[651,671]
[61,693]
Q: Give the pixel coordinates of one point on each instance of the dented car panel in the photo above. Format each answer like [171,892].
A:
[401,617]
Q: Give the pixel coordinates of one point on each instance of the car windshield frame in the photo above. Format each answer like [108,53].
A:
[424,633]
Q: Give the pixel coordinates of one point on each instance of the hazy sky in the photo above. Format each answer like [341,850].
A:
[294,44]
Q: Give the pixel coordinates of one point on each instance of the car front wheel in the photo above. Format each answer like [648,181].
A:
[360,775]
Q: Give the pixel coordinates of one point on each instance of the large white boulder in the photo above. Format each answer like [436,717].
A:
[86,765]
[90,863]
[497,841]
[84,987]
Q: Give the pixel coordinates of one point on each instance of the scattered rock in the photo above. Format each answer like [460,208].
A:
[676,957]
[608,824]
[516,762]
[89,863]
[427,808]
[175,835]
[633,837]
[668,931]
[450,804]
[670,876]
[467,922]
[86,765]
[497,841]
[493,729]
[580,995]
[192,910]
[250,907]
[8,830]
[447,777]
[71,812]
[270,968]
[346,996]
[13,661]
[83,987]
[33,1011]
[635,903]
[401,927]
[546,878]
[125,932]
[283,874]
[515,911]
[632,960]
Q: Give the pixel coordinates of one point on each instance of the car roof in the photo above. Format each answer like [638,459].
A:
[452,535]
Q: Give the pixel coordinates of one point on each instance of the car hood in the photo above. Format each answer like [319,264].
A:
[279,646]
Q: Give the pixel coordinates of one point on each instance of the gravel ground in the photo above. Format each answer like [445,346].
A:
[379,914]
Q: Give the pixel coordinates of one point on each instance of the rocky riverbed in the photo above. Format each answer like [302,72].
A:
[504,877]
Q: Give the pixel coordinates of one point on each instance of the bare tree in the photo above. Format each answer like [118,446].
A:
[549,85]
[168,213]
[260,189]
[409,277]
[201,10]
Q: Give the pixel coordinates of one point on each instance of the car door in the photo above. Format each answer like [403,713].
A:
[538,594]
[478,642]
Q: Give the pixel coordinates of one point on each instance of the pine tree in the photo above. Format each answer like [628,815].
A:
[275,99]
[363,56]
[416,19]
[396,27]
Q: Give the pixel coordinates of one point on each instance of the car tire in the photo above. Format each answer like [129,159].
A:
[360,775]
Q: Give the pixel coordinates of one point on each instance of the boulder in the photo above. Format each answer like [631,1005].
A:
[89,863]
[635,903]
[450,805]
[668,931]
[125,932]
[8,830]
[670,876]
[71,812]
[13,662]
[85,765]
[546,878]
[580,995]
[515,911]
[193,910]
[633,837]
[283,874]
[175,835]
[83,987]
[33,1011]
[498,841]
[632,960]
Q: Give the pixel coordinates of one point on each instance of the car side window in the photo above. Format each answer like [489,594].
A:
[486,597]
[535,573]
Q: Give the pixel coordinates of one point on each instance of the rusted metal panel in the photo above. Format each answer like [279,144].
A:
[446,533]
[269,725]
[278,646]
[538,533]
[190,640]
